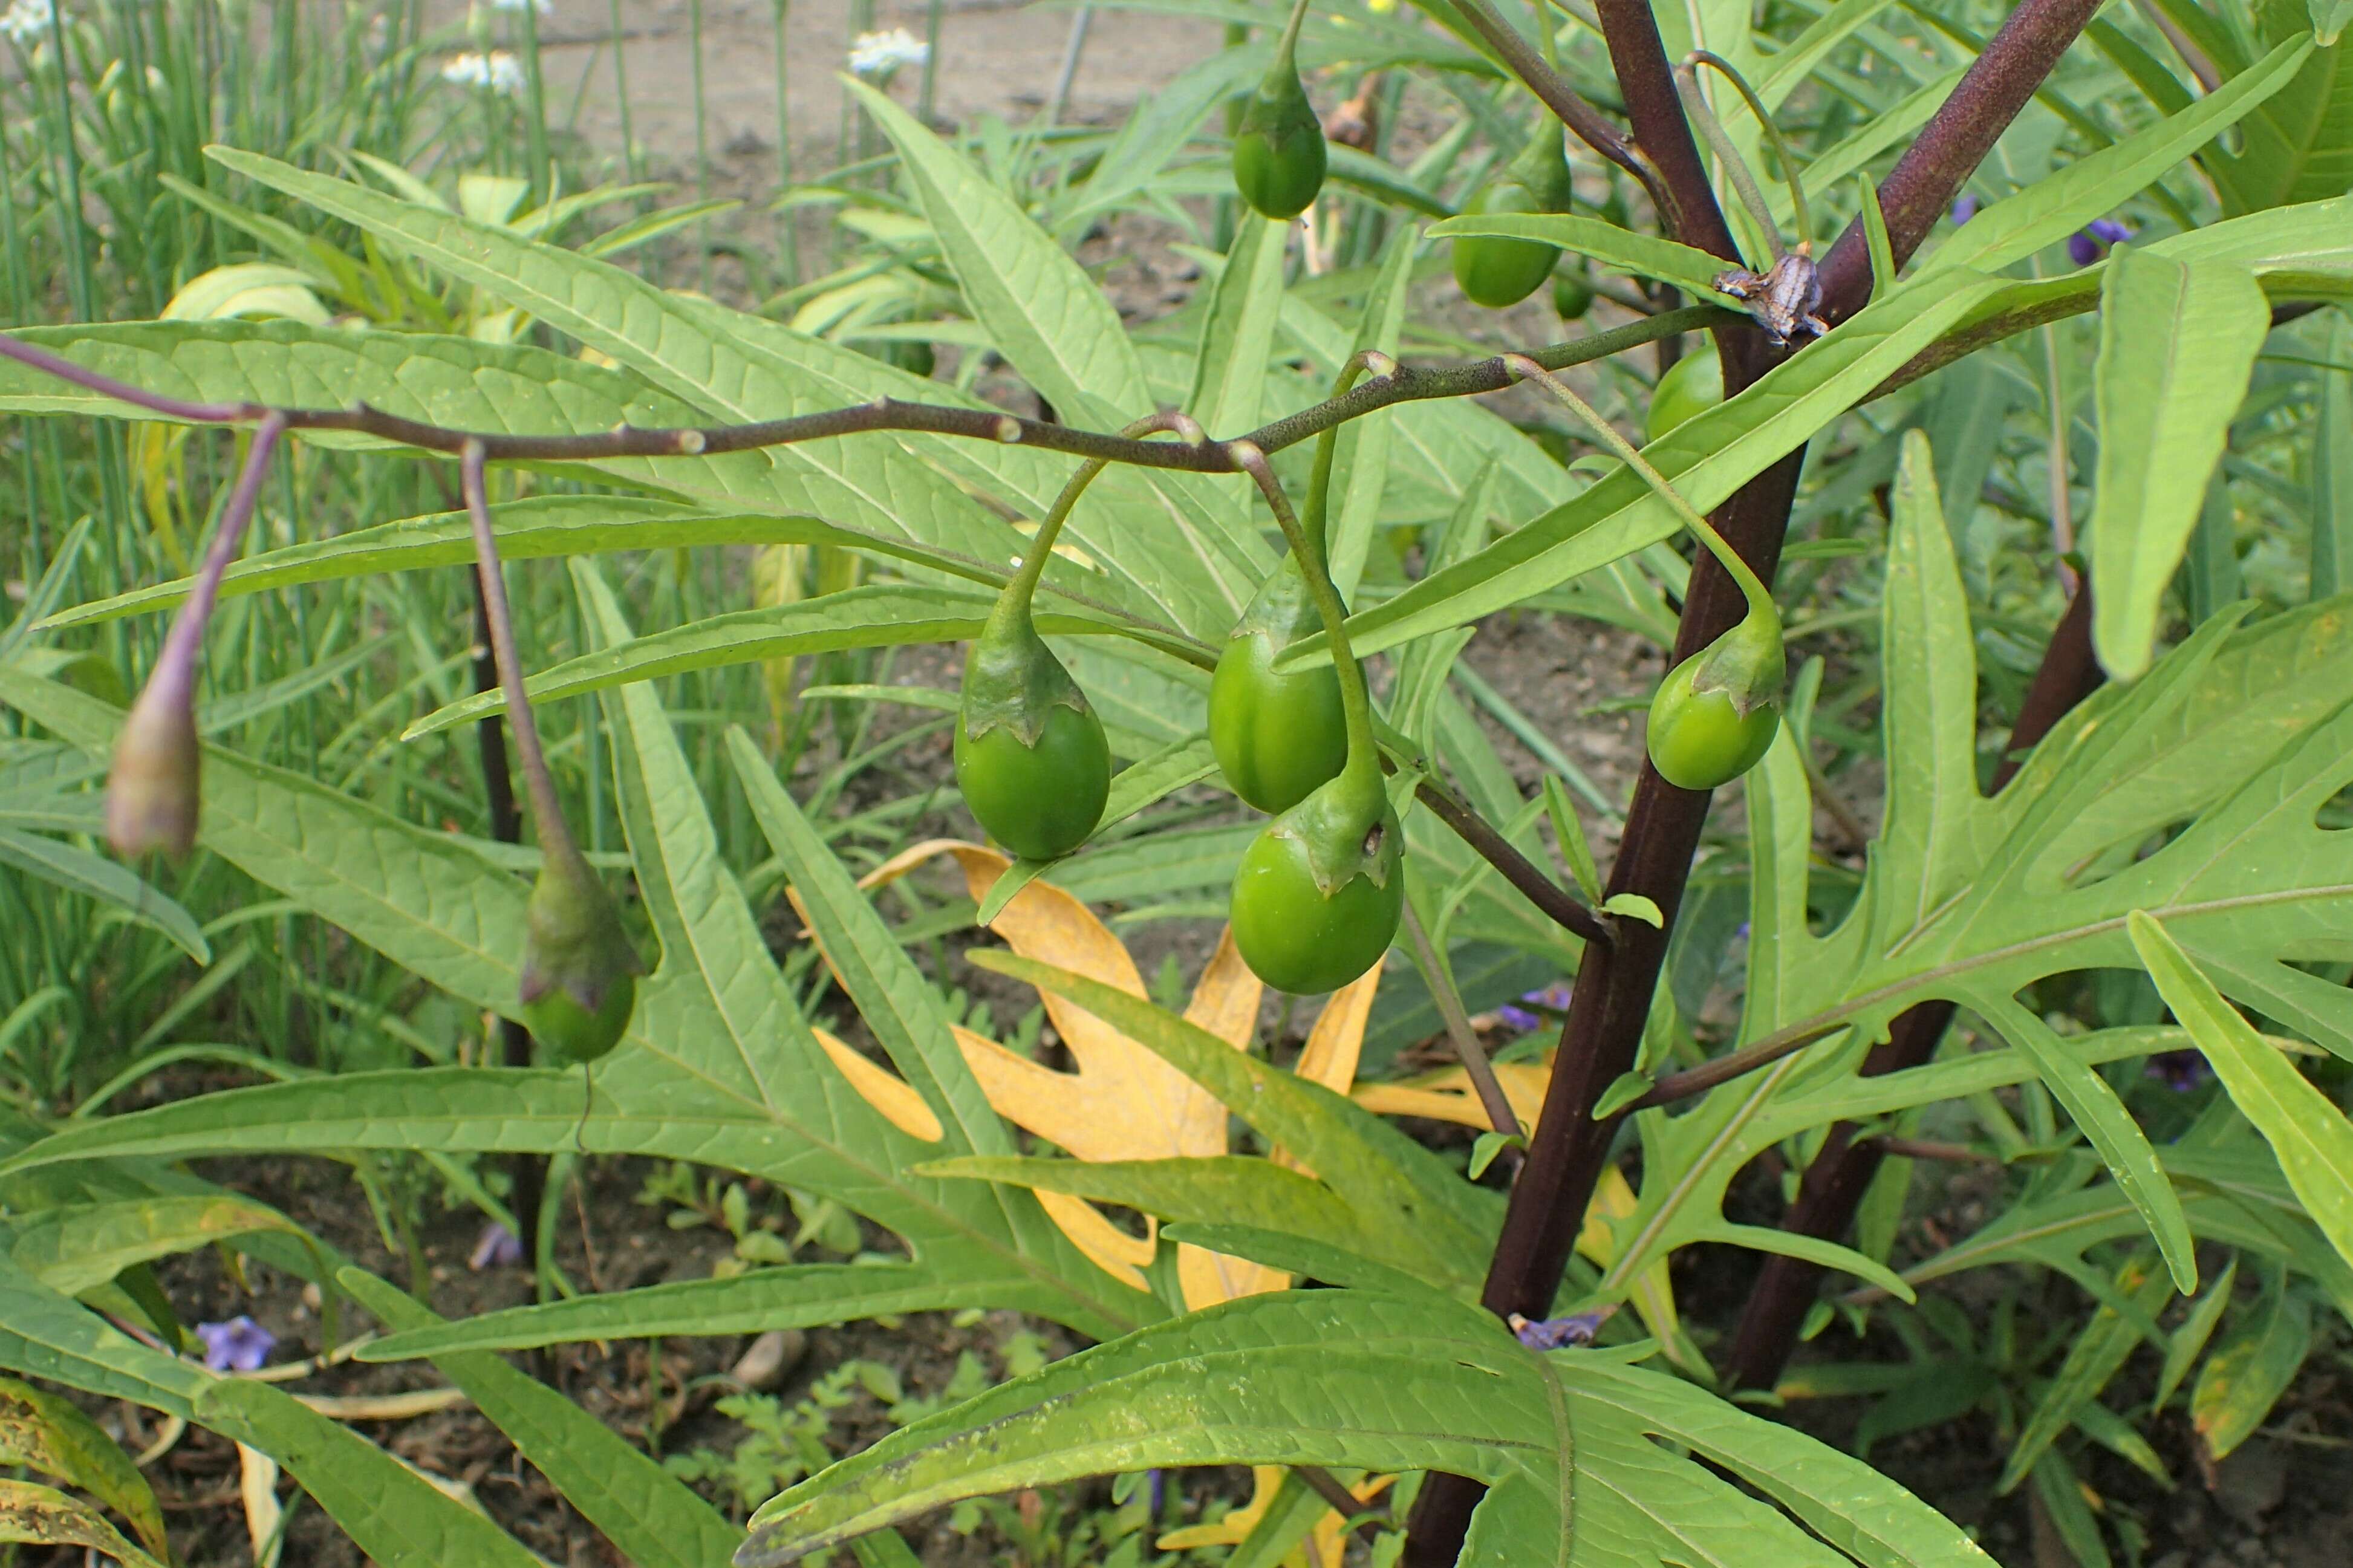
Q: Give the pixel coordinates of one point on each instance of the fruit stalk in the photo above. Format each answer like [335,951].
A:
[153,799]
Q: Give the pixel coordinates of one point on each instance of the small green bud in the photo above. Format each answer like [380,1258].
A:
[152,795]
[1279,151]
[579,970]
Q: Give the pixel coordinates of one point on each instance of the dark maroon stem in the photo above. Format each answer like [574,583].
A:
[1841,1173]
[2012,67]
[1611,999]
[526,1173]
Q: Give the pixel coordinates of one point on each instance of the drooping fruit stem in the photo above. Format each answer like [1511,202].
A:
[1760,601]
[1319,482]
[539,786]
[1023,586]
[1364,766]
[1743,181]
[152,798]
[1286,48]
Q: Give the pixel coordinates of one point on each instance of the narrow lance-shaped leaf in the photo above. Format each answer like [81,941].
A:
[2311,1137]
[2178,341]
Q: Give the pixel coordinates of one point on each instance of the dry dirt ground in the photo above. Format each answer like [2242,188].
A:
[2279,1504]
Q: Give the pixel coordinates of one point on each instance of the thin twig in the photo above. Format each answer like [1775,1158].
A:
[1407,384]
[1550,897]
[1566,102]
[1491,1098]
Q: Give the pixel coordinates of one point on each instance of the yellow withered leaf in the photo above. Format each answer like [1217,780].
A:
[1122,1101]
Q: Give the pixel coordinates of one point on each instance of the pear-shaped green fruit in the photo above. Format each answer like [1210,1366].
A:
[1031,755]
[1495,271]
[1714,716]
[1319,891]
[1572,294]
[579,970]
[1279,152]
[1276,737]
[1691,385]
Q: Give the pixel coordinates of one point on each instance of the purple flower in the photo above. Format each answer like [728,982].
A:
[1519,1020]
[2088,244]
[1560,1334]
[497,1248]
[239,1345]
[1966,207]
[2180,1071]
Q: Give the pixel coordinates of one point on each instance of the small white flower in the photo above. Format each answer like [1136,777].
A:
[27,22]
[497,70]
[882,54]
[544,8]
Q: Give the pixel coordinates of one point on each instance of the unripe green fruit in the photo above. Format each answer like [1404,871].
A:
[573,1034]
[1042,800]
[579,970]
[1495,271]
[1691,385]
[1700,739]
[1279,152]
[1276,737]
[1319,892]
[1572,294]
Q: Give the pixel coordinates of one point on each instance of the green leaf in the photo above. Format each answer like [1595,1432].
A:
[800,1296]
[43,1432]
[2310,1136]
[1576,1452]
[76,1247]
[882,614]
[894,997]
[540,528]
[2299,145]
[1706,458]
[1237,330]
[1361,450]
[394,1515]
[1046,315]
[653,1518]
[52,1337]
[1618,249]
[2103,1119]
[742,368]
[2249,1370]
[1207,1190]
[1623,1090]
[33,1514]
[79,871]
[2094,1358]
[2050,209]
[1635,907]
[2178,341]
[2332,465]
[2188,1342]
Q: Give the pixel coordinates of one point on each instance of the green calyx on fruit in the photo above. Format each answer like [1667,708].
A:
[1276,737]
[1572,294]
[1691,385]
[1279,152]
[1716,714]
[579,969]
[1320,890]
[1031,755]
[1496,271]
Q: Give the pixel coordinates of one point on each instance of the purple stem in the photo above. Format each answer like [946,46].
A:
[546,811]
